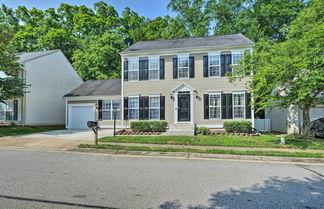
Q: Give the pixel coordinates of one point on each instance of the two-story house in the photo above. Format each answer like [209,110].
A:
[182,81]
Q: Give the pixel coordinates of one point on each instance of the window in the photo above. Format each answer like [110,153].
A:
[214,106]
[108,108]
[154,107]
[154,69]
[239,105]
[183,67]
[236,60]
[133,108]
[7,111]
[214,66]
[133,70]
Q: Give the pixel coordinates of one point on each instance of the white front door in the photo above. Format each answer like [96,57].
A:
[79,115]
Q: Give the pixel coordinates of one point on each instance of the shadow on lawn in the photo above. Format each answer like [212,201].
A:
[274,193]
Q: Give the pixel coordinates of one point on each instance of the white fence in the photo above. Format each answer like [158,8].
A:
[262,125]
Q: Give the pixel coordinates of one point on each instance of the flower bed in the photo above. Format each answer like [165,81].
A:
[138,133]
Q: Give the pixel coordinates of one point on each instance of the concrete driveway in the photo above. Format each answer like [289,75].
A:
[58,140]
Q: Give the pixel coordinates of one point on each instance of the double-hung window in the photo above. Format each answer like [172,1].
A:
[236,57]
[7,111]
[215,106]
[239,105]
[109,108]
[214,66]
[154,107]
[183,67]
[154,69]
[133,70]
[133,104]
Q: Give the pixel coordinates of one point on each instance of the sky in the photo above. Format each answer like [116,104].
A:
[146,8]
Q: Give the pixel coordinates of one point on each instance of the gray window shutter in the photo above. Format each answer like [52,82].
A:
[206,106]
[141,108]
[175,68]
[146,108]
[205,64]
[162,107]
[248,105]
[229,106]
[162,69]
[15,110]
[145,69]
[192,67]
[223,107]
[223,67]
[125,70]
[125,108]
[228,63]
[100,110]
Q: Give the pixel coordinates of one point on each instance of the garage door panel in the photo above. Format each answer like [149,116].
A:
[80,115]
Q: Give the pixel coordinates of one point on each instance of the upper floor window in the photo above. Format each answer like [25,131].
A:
[239,105]
[214,66]
[133,70]
[154,69]
[214,106]
[154,107]
[183,67]
[109,108]
[133,104]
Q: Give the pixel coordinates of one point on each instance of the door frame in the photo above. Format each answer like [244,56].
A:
[183,88]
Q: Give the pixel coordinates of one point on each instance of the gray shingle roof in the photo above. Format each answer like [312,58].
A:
[189,43]
[97,88]
[24,57]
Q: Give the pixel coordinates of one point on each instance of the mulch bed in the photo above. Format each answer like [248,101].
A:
[139,133]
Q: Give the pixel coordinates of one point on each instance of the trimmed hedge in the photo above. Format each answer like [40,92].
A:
[238,126]
[149,126]
[203,130]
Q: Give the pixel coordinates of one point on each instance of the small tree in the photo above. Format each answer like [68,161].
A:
[11,86]
[291,72]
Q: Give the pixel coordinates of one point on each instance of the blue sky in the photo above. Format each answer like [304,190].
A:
[146,8]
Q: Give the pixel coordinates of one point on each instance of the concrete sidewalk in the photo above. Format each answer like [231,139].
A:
[216,147]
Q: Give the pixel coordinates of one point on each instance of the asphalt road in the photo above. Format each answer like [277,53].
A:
[32,180]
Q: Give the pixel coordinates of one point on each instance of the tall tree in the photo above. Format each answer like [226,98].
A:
[11,86]
[290,72]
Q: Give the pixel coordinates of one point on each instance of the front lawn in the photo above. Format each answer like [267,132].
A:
[208,151]
[265,140]
[19,130]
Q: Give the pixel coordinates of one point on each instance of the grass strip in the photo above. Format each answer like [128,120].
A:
[19,130]
[263,141]
[209,151]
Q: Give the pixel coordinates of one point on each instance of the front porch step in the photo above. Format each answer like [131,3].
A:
[181,129]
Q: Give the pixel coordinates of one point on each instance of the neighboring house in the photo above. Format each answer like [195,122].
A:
[290,120]
[181,81]
[83,103]
[50,76]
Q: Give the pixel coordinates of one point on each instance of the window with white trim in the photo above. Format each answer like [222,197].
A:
[239,105]
[108,108]
[133,104]
[133,70]
[183,67]
[7,111]
[154,107]
[214,66]
[154,69]
[215,106]
[236,57]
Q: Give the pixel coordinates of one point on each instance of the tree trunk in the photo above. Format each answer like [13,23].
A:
[306,121]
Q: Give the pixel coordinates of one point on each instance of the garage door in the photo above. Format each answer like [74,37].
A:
[79,115]
[316,112]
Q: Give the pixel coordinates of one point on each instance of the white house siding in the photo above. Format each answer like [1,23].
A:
[50,77]
[278,119]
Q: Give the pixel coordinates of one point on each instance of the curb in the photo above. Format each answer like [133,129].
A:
[202,155]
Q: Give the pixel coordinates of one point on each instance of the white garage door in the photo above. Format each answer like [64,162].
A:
[79,115]
[316,112]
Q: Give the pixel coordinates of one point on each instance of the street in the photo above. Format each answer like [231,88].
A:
[34,179]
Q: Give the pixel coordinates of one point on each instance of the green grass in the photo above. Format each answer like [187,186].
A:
[18,130]
[265,141]
[210,151]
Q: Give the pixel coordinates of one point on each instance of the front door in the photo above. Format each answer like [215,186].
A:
[184,107]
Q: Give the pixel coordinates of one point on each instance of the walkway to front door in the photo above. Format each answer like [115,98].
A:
[184,106]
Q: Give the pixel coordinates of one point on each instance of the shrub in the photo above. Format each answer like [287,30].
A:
[238,126]
[149,126]
[204,130]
